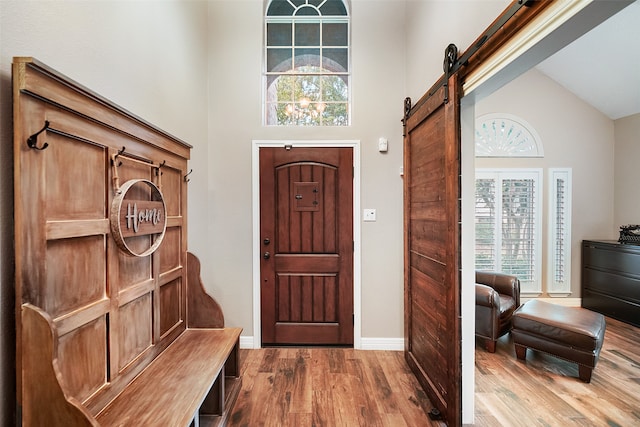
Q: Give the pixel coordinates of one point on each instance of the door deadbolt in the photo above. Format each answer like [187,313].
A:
[266,241]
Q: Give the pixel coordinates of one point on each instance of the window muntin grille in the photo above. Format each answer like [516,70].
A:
[307,63]
[506,135]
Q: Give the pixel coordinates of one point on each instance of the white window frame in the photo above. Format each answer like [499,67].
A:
[559,230]
[294,19]
[528,288]
[506,135]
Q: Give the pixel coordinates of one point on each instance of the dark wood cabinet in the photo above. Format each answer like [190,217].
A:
[611,279]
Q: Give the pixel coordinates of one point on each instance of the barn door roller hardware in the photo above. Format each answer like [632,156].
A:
[455,63]
[489,32]
[450,56]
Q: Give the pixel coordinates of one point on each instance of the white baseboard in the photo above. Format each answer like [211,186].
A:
[393,344]
[397,344]
[567,302]
[246,342]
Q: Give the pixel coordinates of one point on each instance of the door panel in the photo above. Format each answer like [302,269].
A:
[306,226]
[432,245]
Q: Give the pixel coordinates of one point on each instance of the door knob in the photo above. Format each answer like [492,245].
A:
[266,255]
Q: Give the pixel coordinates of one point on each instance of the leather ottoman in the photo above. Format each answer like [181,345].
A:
[571,333]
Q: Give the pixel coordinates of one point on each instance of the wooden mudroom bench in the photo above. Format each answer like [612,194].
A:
[194,381]
[113,324]
[194,377]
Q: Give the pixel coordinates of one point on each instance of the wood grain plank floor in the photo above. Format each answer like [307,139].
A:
[545,390]
[315,387]
[328,387]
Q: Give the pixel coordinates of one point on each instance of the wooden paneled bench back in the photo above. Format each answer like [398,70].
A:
[113,324]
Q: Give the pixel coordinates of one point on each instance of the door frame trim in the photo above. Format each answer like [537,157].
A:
[255,196]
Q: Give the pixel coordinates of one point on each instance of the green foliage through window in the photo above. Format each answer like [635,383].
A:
[307,70]
[508,224]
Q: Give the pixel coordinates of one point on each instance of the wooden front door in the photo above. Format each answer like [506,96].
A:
[306,241]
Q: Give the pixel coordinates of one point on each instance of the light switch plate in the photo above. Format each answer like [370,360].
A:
[369,215]
[383,145]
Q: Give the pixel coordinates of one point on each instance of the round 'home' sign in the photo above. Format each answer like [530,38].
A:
[133,218]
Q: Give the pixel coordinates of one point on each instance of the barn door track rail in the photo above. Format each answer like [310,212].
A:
[453,63]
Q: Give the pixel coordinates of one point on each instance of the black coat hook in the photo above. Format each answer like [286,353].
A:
[114,160]
[160,166]
[185,177]
[32,141]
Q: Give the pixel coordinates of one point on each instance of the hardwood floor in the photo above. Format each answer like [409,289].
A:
[545,391]
[299,387]
[346,387]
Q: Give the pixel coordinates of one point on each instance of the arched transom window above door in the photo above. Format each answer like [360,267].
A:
[306,66]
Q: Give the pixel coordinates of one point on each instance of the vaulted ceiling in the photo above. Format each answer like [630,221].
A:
[603,66]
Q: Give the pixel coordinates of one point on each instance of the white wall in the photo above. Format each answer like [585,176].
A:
[148,57]
[235,99]
[431,25]
[627,203]
[573,135]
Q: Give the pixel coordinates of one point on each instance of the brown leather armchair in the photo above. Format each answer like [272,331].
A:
[497,297]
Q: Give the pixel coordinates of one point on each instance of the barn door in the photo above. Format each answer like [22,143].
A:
[432,245]
[306,241]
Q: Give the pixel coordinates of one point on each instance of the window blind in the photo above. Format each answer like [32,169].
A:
[508,224]
[560,232]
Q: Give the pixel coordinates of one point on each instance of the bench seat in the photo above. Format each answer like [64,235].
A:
[194,381]
[185,380]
